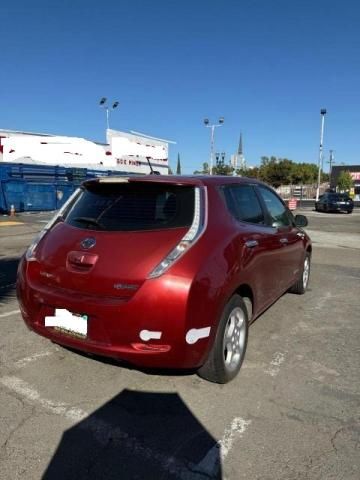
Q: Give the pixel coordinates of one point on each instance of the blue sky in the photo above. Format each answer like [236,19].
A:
[266,66]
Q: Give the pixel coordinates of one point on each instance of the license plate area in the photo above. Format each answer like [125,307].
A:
[63,321]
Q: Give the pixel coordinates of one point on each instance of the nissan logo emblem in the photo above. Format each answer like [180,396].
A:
[88,243]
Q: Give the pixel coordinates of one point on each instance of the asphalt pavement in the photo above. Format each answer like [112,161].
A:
[293,413]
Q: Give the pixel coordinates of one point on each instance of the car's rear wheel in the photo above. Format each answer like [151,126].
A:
[228,351]
[301,285]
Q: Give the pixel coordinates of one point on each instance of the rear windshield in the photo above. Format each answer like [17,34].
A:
[338,197]
[132,206]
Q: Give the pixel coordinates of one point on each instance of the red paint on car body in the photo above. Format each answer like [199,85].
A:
[111,283]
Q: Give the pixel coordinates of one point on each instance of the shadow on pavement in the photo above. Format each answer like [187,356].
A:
[8,269]
[137,435]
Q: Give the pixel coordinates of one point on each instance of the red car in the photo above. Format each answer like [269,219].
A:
[164,271]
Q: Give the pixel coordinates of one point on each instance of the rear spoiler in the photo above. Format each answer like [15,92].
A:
[164,179]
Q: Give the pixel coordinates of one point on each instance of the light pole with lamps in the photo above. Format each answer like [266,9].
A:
[322,113]
[212,138]
[108,109]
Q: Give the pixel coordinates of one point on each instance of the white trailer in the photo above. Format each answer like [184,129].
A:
[126,152]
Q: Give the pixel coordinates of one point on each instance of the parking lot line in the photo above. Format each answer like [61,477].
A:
[8,314]
[31,358]
[275,364]
[209,465]
[102,431]
[10,224]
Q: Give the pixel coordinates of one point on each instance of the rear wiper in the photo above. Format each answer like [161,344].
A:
[89,221]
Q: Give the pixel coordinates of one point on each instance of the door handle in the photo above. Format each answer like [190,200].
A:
[284,240]
[251,243]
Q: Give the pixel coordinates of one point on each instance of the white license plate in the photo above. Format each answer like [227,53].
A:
[68,322]
[342,203]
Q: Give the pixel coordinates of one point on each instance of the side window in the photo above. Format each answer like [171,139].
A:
[243,204]
[278,212]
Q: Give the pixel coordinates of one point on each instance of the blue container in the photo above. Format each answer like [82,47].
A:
[41,187]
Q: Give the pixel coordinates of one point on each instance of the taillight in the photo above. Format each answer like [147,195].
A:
[189,239]
[30,252]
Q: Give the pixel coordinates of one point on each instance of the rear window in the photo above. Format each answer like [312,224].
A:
[338,197]
[132,206]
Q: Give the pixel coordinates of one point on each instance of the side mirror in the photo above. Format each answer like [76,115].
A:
[301,221]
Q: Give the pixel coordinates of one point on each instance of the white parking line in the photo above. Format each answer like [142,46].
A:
[8,314]
[210,464]
[24,361]
[276,362]
[102,431]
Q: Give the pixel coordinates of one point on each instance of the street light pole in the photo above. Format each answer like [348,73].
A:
[212,139]
[107,118]
[102,104]
[320,165]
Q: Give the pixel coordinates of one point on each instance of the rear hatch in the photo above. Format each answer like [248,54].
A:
[114,235]
[340,199]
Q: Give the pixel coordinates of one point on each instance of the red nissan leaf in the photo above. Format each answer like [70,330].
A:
[163,271]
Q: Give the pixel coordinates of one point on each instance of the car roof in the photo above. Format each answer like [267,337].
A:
[196,180]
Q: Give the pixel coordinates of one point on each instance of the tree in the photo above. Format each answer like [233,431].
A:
[222,168]
[345,181]
[282,171]
[276,171]
[178,166]
[303,173]
[248,172]
[204,171]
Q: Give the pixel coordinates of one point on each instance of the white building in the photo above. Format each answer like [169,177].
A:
[126,152]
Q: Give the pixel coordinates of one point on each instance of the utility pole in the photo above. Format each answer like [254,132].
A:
[331,163]
[320,165]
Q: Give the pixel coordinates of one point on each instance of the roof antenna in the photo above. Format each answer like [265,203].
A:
[152,171]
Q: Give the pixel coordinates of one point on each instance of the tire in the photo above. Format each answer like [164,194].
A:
[300,287]
[228,351]
[349,211]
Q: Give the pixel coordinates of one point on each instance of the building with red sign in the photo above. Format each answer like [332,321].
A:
[354,172]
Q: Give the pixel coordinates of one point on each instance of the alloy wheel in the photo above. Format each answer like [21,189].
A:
[306,272]
[234,339]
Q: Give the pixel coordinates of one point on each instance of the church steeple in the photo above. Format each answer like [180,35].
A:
[238,159]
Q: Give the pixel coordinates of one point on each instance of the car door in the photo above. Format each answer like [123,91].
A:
[259,253]
[318,203]
[283,231]
[323,202]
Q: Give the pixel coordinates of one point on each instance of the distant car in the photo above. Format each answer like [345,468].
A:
[164,271]
[334,202]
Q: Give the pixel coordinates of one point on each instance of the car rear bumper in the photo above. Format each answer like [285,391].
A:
[340,207]
[115,325]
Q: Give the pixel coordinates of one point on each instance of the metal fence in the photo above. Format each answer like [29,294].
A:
[301,192]
[41,187]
